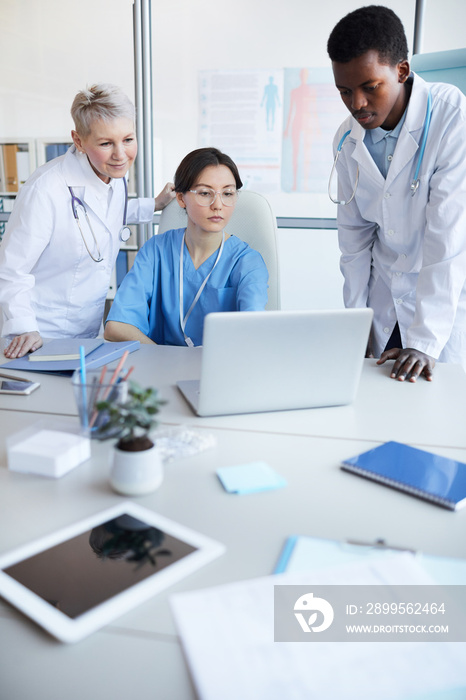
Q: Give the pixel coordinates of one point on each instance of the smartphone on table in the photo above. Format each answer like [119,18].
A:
[16,385]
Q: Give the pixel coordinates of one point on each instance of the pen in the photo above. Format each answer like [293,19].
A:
[116,373]
[12,376]
[101,381]
[82,364]
[125,378]
[380,544]
[93,394]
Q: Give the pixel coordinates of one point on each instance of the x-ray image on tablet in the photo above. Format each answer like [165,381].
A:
[75,581]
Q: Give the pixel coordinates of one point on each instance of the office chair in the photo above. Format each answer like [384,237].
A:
[254,222]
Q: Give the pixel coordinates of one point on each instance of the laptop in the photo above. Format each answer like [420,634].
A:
[258,361]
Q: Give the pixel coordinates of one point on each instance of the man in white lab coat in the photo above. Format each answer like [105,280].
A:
[403,234]
[67,225]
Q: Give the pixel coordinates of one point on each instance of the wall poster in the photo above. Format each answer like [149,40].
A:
[277,125]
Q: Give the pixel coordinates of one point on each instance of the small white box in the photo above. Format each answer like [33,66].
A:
[46,451]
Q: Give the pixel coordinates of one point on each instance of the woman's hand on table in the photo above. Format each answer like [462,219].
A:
[22,344]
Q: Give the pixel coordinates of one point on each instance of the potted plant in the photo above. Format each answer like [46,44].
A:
[136,466]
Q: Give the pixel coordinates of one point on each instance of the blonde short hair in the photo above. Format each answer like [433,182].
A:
[100,102]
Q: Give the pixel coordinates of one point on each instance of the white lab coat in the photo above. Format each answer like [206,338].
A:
[48,281]
[404,255]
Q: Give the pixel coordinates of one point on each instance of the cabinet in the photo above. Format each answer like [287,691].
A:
[17,162]
[49,148]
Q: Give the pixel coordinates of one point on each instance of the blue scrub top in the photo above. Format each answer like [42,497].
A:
[149,295]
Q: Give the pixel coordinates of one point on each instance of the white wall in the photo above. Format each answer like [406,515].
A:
[253,34]
[309,269]
[53,48]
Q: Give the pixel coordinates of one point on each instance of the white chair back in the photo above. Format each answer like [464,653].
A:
[254,222]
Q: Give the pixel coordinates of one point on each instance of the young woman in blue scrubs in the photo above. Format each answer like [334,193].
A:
[181,275]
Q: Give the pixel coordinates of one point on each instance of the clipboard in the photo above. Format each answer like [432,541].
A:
[303,553]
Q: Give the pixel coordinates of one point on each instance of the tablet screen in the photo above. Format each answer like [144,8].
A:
[84,571]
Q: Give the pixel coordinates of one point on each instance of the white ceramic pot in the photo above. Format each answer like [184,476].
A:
[136,473]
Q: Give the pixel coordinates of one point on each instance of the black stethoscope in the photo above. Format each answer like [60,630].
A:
[124,234]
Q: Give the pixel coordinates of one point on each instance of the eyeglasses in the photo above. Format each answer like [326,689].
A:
[205,196]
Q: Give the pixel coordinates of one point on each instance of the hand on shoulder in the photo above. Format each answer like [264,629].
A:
[165,196]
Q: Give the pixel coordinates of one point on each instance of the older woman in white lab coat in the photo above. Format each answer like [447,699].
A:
[55,269]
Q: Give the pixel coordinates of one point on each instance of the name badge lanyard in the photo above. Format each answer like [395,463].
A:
[183,319]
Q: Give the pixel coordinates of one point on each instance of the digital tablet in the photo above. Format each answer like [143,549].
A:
[82,577]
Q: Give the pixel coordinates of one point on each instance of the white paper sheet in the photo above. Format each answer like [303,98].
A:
[227,633]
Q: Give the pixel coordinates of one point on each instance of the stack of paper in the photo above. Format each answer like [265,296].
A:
[227,633]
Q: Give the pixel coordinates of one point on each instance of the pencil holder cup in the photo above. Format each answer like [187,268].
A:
[89,394]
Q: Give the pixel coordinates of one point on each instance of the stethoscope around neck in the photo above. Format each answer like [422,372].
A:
[415,183]
[124,234]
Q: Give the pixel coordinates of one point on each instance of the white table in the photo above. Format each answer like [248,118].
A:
[306,447]
[424,413]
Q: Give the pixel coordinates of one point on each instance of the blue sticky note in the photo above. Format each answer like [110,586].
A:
[250,478]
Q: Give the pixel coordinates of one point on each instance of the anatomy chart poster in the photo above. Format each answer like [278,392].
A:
[313,111]
[277,125]
[241,113]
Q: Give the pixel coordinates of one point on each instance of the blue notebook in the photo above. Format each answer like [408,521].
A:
[103,355]
[64,349]
[434,478]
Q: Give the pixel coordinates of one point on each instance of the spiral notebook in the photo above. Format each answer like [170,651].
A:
[437,479]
